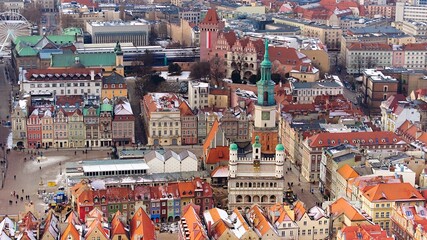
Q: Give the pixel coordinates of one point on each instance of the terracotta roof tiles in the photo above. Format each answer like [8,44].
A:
[327,139]
[393,192]
[218,154]
[341,206]
[347,172]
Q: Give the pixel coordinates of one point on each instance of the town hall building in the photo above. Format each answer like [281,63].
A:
[258,177]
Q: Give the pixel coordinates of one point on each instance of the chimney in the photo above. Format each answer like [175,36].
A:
[92,74]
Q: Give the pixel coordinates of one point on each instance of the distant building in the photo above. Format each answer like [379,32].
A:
[376,88]
[162,118]
[113,31]
[306,92]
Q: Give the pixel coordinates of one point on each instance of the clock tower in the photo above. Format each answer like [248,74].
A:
[265,109]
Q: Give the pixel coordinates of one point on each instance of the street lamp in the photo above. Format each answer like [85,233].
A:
[60,168]
[57,141]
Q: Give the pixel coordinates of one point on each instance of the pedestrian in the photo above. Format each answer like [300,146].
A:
[40,167]
[14,177]
[11,193]
[10,202]
[75,152]
[14,193]
[22,190]
[38,160]
[302,190]
[22,199]
[17,196]
[16,202]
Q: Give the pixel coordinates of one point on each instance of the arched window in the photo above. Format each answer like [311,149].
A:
[239,198]
[265,97]
[248,199]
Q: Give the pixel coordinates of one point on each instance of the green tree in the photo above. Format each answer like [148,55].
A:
[200,70]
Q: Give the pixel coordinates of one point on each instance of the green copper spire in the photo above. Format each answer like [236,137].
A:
[265,85]
[266,62]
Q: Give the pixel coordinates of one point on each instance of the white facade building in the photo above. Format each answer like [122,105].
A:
[198,94]
[136,32]
[255,179]
[78,81]
[306,92]
[405,12]
[162,118]
[171,162]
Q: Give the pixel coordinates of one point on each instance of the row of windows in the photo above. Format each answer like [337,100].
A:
[165,124]
[111,173]
[82,84]
[165,132]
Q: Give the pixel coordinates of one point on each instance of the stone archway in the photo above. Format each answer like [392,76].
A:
[256,199]
[264,199]
[248,199]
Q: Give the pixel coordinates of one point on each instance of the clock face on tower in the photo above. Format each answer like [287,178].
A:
[265,115]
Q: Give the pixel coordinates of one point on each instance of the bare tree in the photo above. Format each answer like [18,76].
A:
[217,70]
[67,20]
[200,70]
[33,12]
[143,64]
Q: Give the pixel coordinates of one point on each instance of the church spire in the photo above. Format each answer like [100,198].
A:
[266,62]
[265,85]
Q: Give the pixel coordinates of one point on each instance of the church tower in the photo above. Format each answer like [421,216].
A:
[209,31]
[265,109]
[119,59]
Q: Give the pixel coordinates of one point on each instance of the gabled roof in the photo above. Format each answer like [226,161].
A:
[347,172]
[114,78]
[70,230]
[342,206]
[96,224]
[211,136]
[117,227]
[393,192]
[141,225]
[194,224]
[259,222]
[185,110]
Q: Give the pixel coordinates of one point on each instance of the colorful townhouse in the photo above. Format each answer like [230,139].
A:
[162,203]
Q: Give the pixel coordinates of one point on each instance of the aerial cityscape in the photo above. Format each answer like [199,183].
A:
[213,120]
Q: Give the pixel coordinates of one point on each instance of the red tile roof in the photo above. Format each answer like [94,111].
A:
[117,227]
[342,206]
[370,47]
[141,225]
[327,139]
[415,47]
[371,232]
[210,137]
[393,101]
[218,154]
[194,224]
[393,192]
[185,110]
